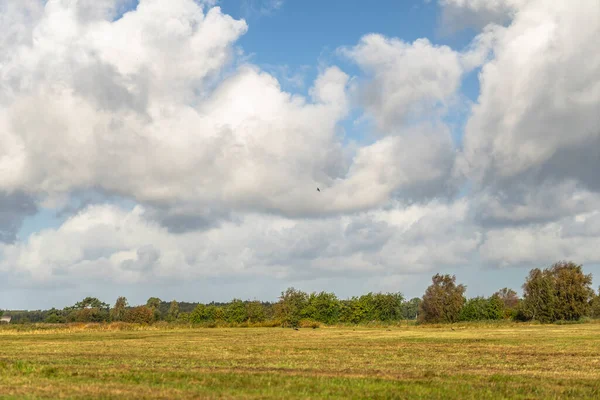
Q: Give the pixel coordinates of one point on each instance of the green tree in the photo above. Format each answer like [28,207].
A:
[173,311]
[387,306]
[290,306]
[183,317]
[495,308]
[89,302]
[117,313]
[323,307]
[255,311]
[236,312]
[475,309]
[153,303]
[55,316]
[200,314]
[89,309]
[561,292]
[410,308]
[595,305]
[538,296]
[443,300]
[572,289]
[363,309]
[510,300]
[217,313]
[509,297]
[482,309]
[347,310]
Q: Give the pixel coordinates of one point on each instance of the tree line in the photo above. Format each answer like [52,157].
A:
[560,292]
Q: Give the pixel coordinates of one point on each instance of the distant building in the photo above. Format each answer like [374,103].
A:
[4,319]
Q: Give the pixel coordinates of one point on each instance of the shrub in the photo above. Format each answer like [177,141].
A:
[139,315]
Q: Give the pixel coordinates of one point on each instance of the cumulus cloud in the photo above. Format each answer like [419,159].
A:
[167,119]
[150,118]
[535,127]
[528,203]
[406,80]
[157,107]
[110,244]
[412,166]
[571,238]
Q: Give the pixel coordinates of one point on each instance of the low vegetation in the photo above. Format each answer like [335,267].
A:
[467,360]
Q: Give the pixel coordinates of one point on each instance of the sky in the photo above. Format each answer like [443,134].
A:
[174,148]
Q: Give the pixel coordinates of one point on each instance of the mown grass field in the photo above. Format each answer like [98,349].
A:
[469,362]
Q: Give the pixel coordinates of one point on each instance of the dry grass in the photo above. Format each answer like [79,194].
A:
[471,361]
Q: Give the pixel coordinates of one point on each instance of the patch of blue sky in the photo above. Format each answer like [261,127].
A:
[53,218]
[124,7]
[45,218]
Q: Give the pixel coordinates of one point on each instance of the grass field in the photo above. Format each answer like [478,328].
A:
[469,362]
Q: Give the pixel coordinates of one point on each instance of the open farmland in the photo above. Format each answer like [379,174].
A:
[471,361]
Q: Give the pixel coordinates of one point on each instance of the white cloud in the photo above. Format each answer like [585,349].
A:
[537,117]
[528,203]
[109,244]
[167,119]
[160,108]
[406,80]
[572,238]
[415,165]
[145,118]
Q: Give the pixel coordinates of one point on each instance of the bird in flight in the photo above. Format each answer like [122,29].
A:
[318,190]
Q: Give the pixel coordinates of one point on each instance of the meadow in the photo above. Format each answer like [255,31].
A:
[465,361]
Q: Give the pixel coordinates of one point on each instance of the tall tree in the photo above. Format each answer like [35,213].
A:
[509,297]
[153,303]
[538,296]
[573,291]
[89,309]
[595,305]
[561,292]
[89,302]
[173,311]
[290,306]
[443,300]
[117,313]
